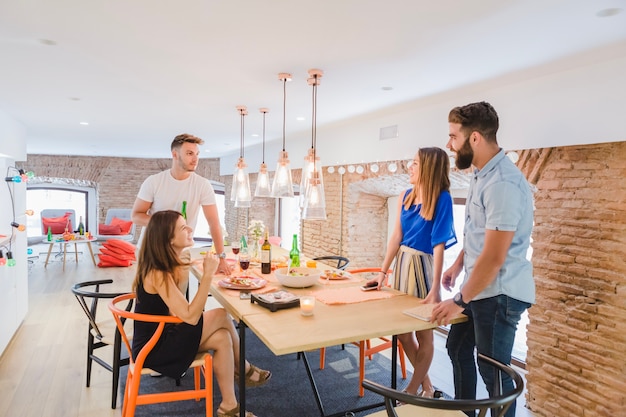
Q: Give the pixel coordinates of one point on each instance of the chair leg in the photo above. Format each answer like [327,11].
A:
[208,384]
[89,353]
[361,367]
[322,357]
[115,369]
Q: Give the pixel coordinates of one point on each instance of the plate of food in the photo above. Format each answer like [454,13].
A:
[335,274]
[243,282]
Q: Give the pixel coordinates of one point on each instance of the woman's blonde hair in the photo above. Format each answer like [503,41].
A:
[433,178]
[156,253]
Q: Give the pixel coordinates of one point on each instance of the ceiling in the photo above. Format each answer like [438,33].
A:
[140,72]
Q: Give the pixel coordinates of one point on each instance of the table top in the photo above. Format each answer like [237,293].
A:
[77,239]
[287,331]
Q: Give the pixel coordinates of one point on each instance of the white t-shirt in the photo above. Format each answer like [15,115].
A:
[167,193]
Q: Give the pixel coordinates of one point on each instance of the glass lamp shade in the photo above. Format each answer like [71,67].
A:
[283,184]
[263,183]
[241,183]
[315,200]
[242,204]
[310,162]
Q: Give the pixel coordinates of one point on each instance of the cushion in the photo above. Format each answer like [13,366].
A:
[124,225]
[57,224]
[108,261]
[119,255]
[121,245]
[108,229]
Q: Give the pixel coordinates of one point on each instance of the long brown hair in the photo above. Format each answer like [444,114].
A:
[156,253]
[433,178]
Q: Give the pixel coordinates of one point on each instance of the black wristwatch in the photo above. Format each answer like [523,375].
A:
[458,300]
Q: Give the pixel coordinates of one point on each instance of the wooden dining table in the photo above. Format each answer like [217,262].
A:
[288,331]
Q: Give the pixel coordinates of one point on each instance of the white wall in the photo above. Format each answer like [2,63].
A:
[578,101]
[13,280]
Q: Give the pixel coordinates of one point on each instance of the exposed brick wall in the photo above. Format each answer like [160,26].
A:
[577,332]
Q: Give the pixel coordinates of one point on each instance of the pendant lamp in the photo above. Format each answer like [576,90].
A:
[240,192]
[314,207]
[263,178]
[283,184]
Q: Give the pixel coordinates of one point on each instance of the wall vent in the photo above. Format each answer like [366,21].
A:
[389,132]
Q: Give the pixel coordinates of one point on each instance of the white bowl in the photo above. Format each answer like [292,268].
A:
[305,277]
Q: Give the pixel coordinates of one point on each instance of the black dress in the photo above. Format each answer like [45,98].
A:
[177,346]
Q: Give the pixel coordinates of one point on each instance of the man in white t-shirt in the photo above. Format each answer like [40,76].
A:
[168,189]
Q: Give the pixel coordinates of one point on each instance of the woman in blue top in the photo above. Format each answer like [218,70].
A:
[424,227]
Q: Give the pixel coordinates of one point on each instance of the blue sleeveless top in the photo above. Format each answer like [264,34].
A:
[421,234]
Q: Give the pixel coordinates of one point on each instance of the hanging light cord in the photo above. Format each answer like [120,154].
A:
[241,140]
[264,113]
[284,109]
[314,121]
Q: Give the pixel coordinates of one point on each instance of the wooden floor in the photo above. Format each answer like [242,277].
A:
[42,371]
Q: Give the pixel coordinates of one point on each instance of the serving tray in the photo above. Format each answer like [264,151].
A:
[274,301]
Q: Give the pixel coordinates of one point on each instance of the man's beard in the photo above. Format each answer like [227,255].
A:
[464,156]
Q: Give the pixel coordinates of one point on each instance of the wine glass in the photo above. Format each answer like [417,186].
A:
[235,248]
[244,261]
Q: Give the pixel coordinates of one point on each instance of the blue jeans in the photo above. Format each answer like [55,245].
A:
[491,329]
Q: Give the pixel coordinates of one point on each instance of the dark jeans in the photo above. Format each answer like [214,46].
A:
[491,329]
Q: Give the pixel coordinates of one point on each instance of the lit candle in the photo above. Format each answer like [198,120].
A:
[307,304]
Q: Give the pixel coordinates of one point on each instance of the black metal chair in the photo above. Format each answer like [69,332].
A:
[342,262]
[499,403]
[101,333]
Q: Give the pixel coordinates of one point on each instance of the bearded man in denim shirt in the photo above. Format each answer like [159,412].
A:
[499,284]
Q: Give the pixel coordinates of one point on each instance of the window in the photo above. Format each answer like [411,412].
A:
[59,196]
[202,232]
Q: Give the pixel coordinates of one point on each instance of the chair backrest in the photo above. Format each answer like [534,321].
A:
[120,315]
[57,213]
[499,403]
[342,262]
[90,309]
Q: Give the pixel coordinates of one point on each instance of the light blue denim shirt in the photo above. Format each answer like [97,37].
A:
[500,198]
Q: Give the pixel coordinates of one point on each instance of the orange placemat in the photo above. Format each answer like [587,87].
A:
[350,295]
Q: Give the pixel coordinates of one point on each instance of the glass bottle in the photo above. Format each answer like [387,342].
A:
[243,246]
[49,234]
[184,210]
[295,253]
[266,255]
[81,226]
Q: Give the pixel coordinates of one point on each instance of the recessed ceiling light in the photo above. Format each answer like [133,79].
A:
[255,135]
[84,123]
[386,88]
[300,118]
[609,12]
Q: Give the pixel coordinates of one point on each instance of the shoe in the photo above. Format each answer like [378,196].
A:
[264,377]
[233,413]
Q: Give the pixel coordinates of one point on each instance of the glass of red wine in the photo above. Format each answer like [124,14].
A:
[235,248]
[244,261]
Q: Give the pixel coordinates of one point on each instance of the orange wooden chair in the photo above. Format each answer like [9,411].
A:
[203,362]
[365,346]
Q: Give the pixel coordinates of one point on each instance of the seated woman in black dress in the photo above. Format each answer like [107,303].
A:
[160,284]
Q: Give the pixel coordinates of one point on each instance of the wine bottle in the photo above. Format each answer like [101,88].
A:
[184,210]
[81,226]
[295,253]
[266,255]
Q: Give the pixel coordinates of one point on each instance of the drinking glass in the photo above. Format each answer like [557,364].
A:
[235,248]
[244,261]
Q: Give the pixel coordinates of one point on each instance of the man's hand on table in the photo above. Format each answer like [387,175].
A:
[444,312]
[223,267]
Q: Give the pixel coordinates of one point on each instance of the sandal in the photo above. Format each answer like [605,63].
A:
[232,413]
[264,377]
